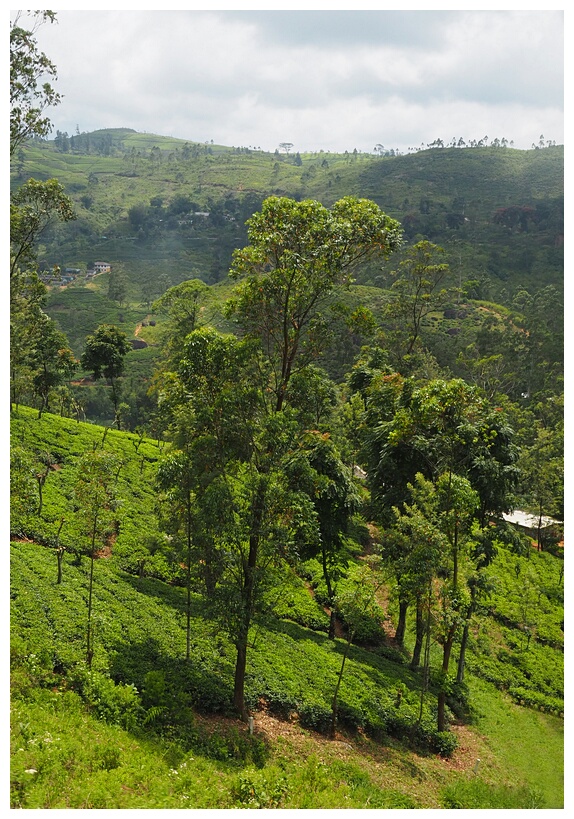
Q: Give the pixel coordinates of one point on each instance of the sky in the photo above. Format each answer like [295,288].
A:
[321,79]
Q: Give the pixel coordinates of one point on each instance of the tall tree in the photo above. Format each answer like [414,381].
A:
[245,514]
[104,354]
[118,285]
[27,296]
[52,360]
[448,505]
[238,390]
[299,252]
[32,208]
[174,477]
[356,601]
[418,289]
[95,498]
[186,306]
[542,478]
[444,426]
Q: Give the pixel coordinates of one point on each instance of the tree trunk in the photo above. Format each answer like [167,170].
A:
[239,681]
[464,638]
[420,631]
[446,651]
[248,592]
[40,496]
[330,596]
[462,655]
[334,704]
[426,661]
[402,623]
[188,581]
[89,649]
[539,533]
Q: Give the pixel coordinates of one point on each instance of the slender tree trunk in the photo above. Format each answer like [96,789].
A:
[330,596]
[40,496]
[402,622]
[89,648]
[188,581]
[464,638]
[441,705]
[239,681]
[248,593]
[462,654]
[59,552]
[455,556]
[420,631]
[539,533]
[426,660]
[334,704]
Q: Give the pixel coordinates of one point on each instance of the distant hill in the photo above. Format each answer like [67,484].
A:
[167,207]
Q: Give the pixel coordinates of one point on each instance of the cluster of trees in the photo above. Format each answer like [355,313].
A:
[40,358]
[254,483]
[497,142]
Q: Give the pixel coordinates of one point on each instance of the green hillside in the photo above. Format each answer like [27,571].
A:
[498,211]
[286,471]
[160,728]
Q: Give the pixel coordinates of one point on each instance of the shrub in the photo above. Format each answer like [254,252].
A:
[316,716]
[230,744]
[116,704]
[350,716]
[258,790]
[442,742]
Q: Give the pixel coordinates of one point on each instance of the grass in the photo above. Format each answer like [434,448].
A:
[64,758]
[509,730]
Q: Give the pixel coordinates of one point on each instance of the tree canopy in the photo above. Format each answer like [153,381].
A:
[299,252]
[29,96]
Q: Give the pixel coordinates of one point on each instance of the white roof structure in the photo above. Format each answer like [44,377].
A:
[527,520]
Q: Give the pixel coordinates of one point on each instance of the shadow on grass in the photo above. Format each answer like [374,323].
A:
[204,683]
[375,664]
[171,595]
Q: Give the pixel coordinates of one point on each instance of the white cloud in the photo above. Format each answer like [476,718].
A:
[335,80]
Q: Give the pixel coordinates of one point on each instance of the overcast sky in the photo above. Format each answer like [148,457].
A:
[331,80]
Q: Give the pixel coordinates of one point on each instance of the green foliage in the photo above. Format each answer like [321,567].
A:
[279,300]
[32,207]
[105,351]
[256,790]
[28,66]
[418,290]
[114,703]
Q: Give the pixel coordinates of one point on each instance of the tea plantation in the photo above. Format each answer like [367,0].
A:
[144,728]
